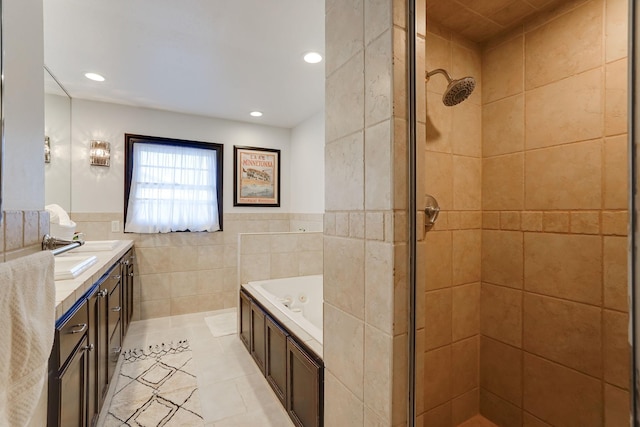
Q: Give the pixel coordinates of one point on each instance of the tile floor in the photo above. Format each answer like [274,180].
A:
[233,392]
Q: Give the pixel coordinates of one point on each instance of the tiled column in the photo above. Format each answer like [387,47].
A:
[365,198]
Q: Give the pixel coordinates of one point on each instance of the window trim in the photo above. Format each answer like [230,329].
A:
[131,139]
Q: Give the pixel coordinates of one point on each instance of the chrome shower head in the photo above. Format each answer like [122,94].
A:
[457,90]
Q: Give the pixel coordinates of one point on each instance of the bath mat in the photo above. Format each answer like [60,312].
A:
[223,324]
[156,387]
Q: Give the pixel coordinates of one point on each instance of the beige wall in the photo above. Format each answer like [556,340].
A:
[449,272]
[554,196]
[179,273]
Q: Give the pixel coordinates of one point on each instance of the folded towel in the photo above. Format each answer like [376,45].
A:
[27,323]
[57,214]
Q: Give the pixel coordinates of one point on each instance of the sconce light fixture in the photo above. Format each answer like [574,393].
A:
[100,153]
[47,150]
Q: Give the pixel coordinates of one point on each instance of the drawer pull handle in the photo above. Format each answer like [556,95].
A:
[126,262]
[83,327]
[89,347]
[103,293]
[116,309]
[117,277]
[130,274]
[116,350]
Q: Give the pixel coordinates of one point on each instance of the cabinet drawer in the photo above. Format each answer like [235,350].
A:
[71,332]
[114,309]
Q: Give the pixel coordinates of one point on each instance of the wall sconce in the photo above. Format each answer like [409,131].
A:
[47,150]
[100,153]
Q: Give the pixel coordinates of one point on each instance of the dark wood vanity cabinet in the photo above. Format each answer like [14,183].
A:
[68,370]
[304,386]
[294,372]
[87,346]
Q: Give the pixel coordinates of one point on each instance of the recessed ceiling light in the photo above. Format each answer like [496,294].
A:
[312,57]
[256,113]
[94,77]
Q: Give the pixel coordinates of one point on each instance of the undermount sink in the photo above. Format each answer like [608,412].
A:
[97,246]
[70,266]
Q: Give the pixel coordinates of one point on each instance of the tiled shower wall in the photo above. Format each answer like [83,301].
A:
[449,275]
[554,198]
[179,273]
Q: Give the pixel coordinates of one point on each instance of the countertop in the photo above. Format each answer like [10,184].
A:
[69,291]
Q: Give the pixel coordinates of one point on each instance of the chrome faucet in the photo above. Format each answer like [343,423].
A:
[58,246]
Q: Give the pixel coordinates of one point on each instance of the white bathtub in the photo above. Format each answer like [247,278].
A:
[297,298]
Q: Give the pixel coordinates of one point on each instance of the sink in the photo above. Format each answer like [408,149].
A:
[70,267]
[97,246]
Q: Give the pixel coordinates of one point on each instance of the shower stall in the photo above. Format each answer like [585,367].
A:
[476,232]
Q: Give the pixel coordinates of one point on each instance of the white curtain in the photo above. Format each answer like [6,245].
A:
[173,188]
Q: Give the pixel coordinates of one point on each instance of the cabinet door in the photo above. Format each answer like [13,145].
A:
[72,386]
[102,344]
[245,320]
[127,290]
[93,394]
[303,387]
[257,335]
[276,359]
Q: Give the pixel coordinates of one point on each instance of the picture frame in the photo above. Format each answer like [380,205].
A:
[256,174]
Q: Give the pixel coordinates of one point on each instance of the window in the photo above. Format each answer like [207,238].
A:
[172,185]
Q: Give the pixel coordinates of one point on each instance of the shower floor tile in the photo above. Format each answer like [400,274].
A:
[233,392]
[478,421]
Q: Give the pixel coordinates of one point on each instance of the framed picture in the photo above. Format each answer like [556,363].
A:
[256,174]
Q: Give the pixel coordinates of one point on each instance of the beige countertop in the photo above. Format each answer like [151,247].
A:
[69,291]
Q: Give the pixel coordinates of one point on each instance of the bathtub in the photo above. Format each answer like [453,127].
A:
[299,299]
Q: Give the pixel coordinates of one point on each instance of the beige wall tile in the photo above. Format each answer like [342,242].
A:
[615,273]
[438,55]
[340,405]
[378,292]
[464,365]
[466,60]
[378,67]
[13,230]
[438,309]
[465,406]
[566,177]
[574,41]
[284,265]
[491,220]
[437,373]
[555,222]
[439,123]
[616,406]
[563,331]
[501,314]
[499,410]
[531,221]
[31,236]
[503,126]
[616,98]
[344,334]
[399,73]
[585,222]
[400,379]
[377,170]
[466,135]
[503,182]
[502,258]
[615,223]
[617,352]
[401,162]
[467,176]
[510,220]
[344,173]
[342,224]
[554,118]
[616,29]
[155,308]
[565,266]
[465,311]
[616,177]
[195,304]
[356,225]
[439,178]
[378,354]
[559,395]
[345,32]
[374,226]
[501,370]
[155,286]
[466,256]
[345,99]
[378,17]
[437,260]
[439,416]
[502,70]
[344,274]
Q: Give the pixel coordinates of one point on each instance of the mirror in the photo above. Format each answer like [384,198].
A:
[57,128]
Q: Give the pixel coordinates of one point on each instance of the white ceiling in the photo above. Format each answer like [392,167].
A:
[217,58]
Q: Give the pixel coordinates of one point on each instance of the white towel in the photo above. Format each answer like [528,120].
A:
[27,322]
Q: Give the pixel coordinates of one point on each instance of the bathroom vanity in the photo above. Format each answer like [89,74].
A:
[93,314]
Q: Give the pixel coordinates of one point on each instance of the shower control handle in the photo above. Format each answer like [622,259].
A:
[431,210]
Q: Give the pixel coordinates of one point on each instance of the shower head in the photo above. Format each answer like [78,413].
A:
[457,90]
